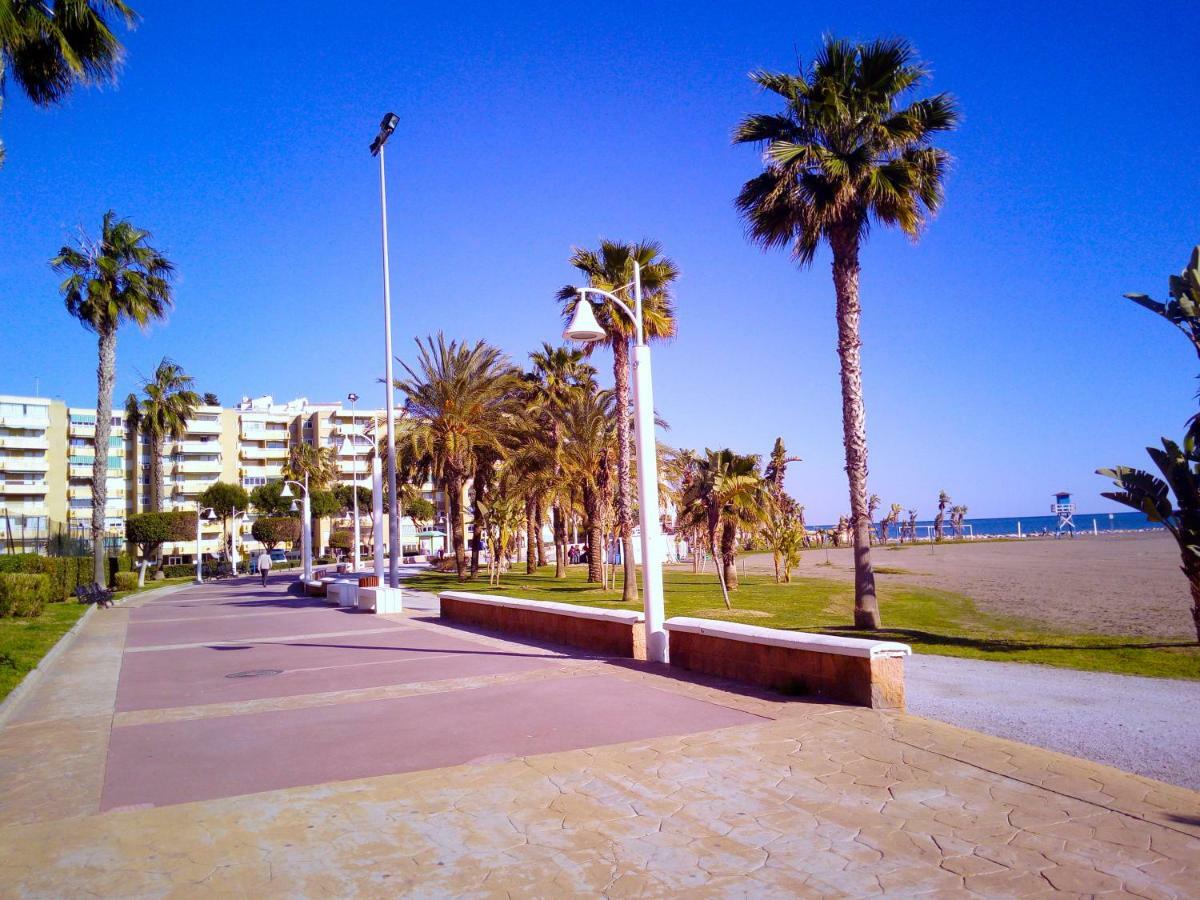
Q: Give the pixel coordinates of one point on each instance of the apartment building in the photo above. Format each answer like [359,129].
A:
[47,451]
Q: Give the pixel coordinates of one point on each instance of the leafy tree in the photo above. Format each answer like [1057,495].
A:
[847,149]
[162,413]
[116,279]
[210,399]
[268,499]
[421,511]
[785,537]
[610,269]
[151,530]
[323,504]
[342,539]
[48,48]
[459,401]
[225,499]
[270,531]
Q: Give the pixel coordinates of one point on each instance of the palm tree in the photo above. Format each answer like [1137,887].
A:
[888,521]
[728,493]
[776,471]
[611,268]
[589,437]
[316,464]
[873,503]
[459,403]
[50,47]
[162,413]
[116,279]
[847,150]
[940,518]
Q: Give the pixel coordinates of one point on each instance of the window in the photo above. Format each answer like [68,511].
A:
[82,419]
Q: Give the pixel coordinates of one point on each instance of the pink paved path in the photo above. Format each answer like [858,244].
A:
[226,644]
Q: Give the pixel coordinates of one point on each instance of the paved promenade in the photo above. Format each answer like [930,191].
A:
[229,739]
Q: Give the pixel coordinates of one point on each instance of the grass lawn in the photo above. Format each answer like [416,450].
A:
[23,642]
[931,621]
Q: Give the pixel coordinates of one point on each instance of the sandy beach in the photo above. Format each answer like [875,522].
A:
[1122,584]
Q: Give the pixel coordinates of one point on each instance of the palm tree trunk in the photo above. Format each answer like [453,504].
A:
[620,348]
[539,522]
[713,545]
[595,537]
[844,243]
[454,500]
[775,559]
[1191,568]
[729,555]
[106,375]
[477,497]
[530,537]
[560,542]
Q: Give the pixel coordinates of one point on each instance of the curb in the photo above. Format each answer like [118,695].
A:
[14,699]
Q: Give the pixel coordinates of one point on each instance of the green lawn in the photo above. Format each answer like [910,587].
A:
[931,621]
[23,642]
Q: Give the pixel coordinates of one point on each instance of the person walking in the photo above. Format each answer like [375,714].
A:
[264,566]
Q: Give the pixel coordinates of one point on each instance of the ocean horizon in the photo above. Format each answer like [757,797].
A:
[1007,525]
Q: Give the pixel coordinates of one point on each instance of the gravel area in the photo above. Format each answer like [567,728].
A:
[1150,726]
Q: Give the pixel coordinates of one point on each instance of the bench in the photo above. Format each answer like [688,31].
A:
[852,670]
[383,601]
[344,591]
[314,587]
[613,632]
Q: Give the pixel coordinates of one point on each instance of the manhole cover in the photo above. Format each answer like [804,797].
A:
[255,673]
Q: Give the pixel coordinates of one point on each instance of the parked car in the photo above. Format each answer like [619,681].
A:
[279,556]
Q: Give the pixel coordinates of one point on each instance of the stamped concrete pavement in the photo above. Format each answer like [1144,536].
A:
[234,739]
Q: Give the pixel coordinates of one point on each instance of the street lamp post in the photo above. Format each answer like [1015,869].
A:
[585,328]
[209,515]
[233,538]
[353,398]
[386,127]
[305,526]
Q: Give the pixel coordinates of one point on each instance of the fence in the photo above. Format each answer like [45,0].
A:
[44,536]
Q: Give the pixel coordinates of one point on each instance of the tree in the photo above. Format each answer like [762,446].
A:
[458,402]
[313,466]
[589,437]
[785,536]
[342,539]
[1183,309]
[150,530]
[873,503]
[268,499]
[1180,468]
[776,471]
[957,514]
[50,47]
[116,279]
[888,521]
[611,269]
[421,511]
[846,152]
[162,413]
[940,519]
[270,531]
[225,499]
[727,493]
[210,399]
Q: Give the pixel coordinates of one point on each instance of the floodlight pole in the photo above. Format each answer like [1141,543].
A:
[199,570]
[353,398]
[305,529]
[647,466]
[394,548]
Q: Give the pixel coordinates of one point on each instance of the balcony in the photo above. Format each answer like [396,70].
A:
[197,426]
[190,488]
[13,488]
[81,471]
[186,447]
[31,422]
[199,466]
[79,492]
[26,510]
[264,453]
[23,464]
[79,430]
[361,466]
[9,442]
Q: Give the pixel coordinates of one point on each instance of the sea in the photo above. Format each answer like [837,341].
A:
[1000,527]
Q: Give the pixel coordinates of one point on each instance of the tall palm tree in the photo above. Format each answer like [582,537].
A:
[611,268]
[317,464]
[939,520]
[589,437]
[162,413]
[48,48]
[847,150]
[459,401]
[560,373]
[728,493]
[116,279]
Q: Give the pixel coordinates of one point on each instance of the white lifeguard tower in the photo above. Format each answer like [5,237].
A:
[1065,510]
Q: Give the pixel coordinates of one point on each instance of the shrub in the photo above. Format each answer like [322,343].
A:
[179,571]
[23,595]
[127,581]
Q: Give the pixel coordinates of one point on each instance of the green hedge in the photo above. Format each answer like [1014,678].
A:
[126,581]
[65,572]
[23,595]
[179,571]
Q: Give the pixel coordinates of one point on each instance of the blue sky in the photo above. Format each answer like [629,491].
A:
[1001,363]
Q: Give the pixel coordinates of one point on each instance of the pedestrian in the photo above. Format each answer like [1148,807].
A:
[264,566]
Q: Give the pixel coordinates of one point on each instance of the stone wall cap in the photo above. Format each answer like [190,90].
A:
[625,616]
[795,640]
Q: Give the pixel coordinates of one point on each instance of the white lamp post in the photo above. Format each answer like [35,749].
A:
[233,538]
[208,515]
[585,328]
[305,526]
[386,127]
[353,440]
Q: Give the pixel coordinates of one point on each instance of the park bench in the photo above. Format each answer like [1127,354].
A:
[93,593]
[853,670]
[613,632]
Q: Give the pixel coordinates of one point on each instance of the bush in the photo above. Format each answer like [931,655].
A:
[64,572]
[23,595]
[342,539]
[179,571]
[126,581]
